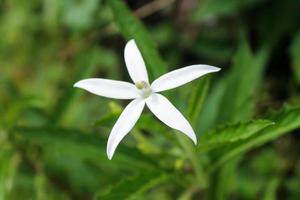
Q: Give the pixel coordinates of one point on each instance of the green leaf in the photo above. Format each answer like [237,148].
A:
[130,188]
[211,108]
[8,169]
[132,28]
[285,121]
[49,136]
[197,98]
[233,98]
[232,133]
[271,189]
[242,82]
[79,158]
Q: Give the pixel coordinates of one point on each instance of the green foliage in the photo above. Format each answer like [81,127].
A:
[132,187]
[53,136]
[234,102]
[197,98]
[247,71]
[284,122]
[86,65]
[132,28]
[7,171]
[86,143]
[232,133]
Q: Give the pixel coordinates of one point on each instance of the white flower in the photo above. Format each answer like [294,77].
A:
[143,93]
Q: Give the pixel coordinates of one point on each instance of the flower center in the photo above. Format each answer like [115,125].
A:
[144,88]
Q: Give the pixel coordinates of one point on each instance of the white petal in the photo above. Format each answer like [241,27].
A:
[168,114]
[135,63]
[124,124]
[181,76]
[108,88]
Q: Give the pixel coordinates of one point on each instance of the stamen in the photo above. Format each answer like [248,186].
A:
[141,85]
[144,88]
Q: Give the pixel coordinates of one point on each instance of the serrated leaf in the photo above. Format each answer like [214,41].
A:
[232,133]
[285,121]
[132,28]
[130,188]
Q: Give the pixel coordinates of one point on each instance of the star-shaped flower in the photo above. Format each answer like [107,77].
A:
[144,93]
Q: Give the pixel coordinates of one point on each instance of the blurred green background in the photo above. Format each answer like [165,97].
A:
[247,117]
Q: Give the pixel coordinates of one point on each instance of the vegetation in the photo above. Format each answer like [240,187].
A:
[246,117]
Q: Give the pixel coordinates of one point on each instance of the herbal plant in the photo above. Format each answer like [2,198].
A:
[144,94]
[246,117]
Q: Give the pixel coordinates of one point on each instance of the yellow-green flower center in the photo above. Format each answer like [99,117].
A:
[144,88]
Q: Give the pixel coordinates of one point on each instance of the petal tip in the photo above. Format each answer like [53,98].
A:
[195,142]
[131,41]
[214,69]
[76,84]
[193,137]
[109,154]
[217,69]
[210,68]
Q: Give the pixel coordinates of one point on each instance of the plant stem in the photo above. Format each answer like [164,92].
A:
[190,150]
